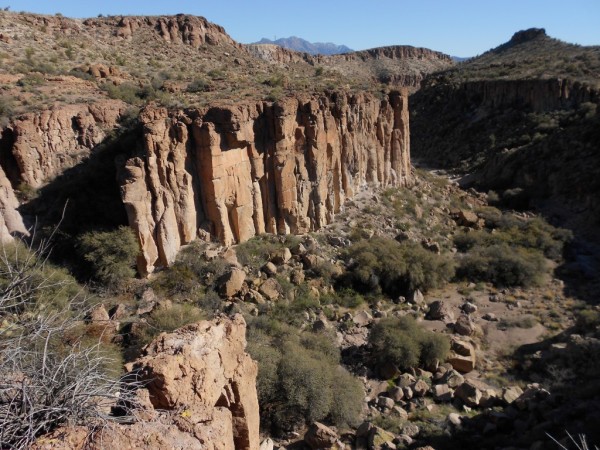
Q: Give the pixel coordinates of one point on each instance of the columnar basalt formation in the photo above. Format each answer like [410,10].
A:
[199,391]
[237,171]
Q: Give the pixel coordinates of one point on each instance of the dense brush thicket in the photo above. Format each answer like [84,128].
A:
[394,268]
[299,377]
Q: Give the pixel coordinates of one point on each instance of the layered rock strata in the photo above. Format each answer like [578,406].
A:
[233,172]
[199,392]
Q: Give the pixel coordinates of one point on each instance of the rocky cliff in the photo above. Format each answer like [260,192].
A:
[233,172]
[37,147]
[199,392]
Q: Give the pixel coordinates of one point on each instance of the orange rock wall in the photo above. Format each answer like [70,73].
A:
[233,172]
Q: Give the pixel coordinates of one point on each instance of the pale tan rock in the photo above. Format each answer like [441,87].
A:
[48,142]
[232,282]
[238,171]
[270,289]
[11,221]
[204,383]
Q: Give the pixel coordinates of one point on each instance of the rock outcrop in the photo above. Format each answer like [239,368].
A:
[39,146]
[10,220]
[200,392]
[238,171]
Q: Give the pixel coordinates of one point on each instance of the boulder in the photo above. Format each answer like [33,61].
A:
[442,393]
[453,379]
[362,318]
[438,310]
[464,326]
[270,269]
[270,289]
[411,430]
[203,383]
[385,402]
[281,256]
[378,437]
[319,436]
[420,388]
[510,394]
[231,283]
[469,308]
[469,394]
[267,444]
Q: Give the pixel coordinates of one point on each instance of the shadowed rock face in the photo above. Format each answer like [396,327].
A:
[237,171]
[44,144]
[200,393]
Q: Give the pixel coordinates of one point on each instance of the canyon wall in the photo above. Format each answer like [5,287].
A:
[536,95]
[38,146]
[233,172]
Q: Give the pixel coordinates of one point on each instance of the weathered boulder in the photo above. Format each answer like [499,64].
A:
[464,326]
[468,393]
[204,384]
[270,289]
[320,436]
[438,310]
[231,283]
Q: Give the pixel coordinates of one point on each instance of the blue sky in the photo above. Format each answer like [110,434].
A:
[457,27]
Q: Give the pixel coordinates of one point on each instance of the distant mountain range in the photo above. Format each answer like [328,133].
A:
[302,45]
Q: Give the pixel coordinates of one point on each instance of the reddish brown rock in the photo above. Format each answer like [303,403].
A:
[44,144]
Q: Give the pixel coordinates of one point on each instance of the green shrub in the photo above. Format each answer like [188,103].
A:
[503,266]
[30,80]
[510,230]
[299,377]
[174,317]
[110,255]
[404,343]
[395,268]
[198,85]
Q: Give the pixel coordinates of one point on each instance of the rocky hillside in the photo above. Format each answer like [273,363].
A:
[521,122]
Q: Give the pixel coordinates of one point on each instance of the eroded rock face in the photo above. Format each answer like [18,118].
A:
[10,220]
[238,171]
[204,383]
[44,144]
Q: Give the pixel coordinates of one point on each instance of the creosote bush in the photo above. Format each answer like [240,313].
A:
[110,254]
[299,377]
[406,344]
[395,268]
[503,266]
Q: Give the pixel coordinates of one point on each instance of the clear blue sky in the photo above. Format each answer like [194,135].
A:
[456,27]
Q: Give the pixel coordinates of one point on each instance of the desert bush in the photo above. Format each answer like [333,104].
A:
[395,268]
[110,254]
[503,266]
[176,316]
[31,80]
[51,373]
[404,343]
[299,377]
[198,85]
[510,230]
